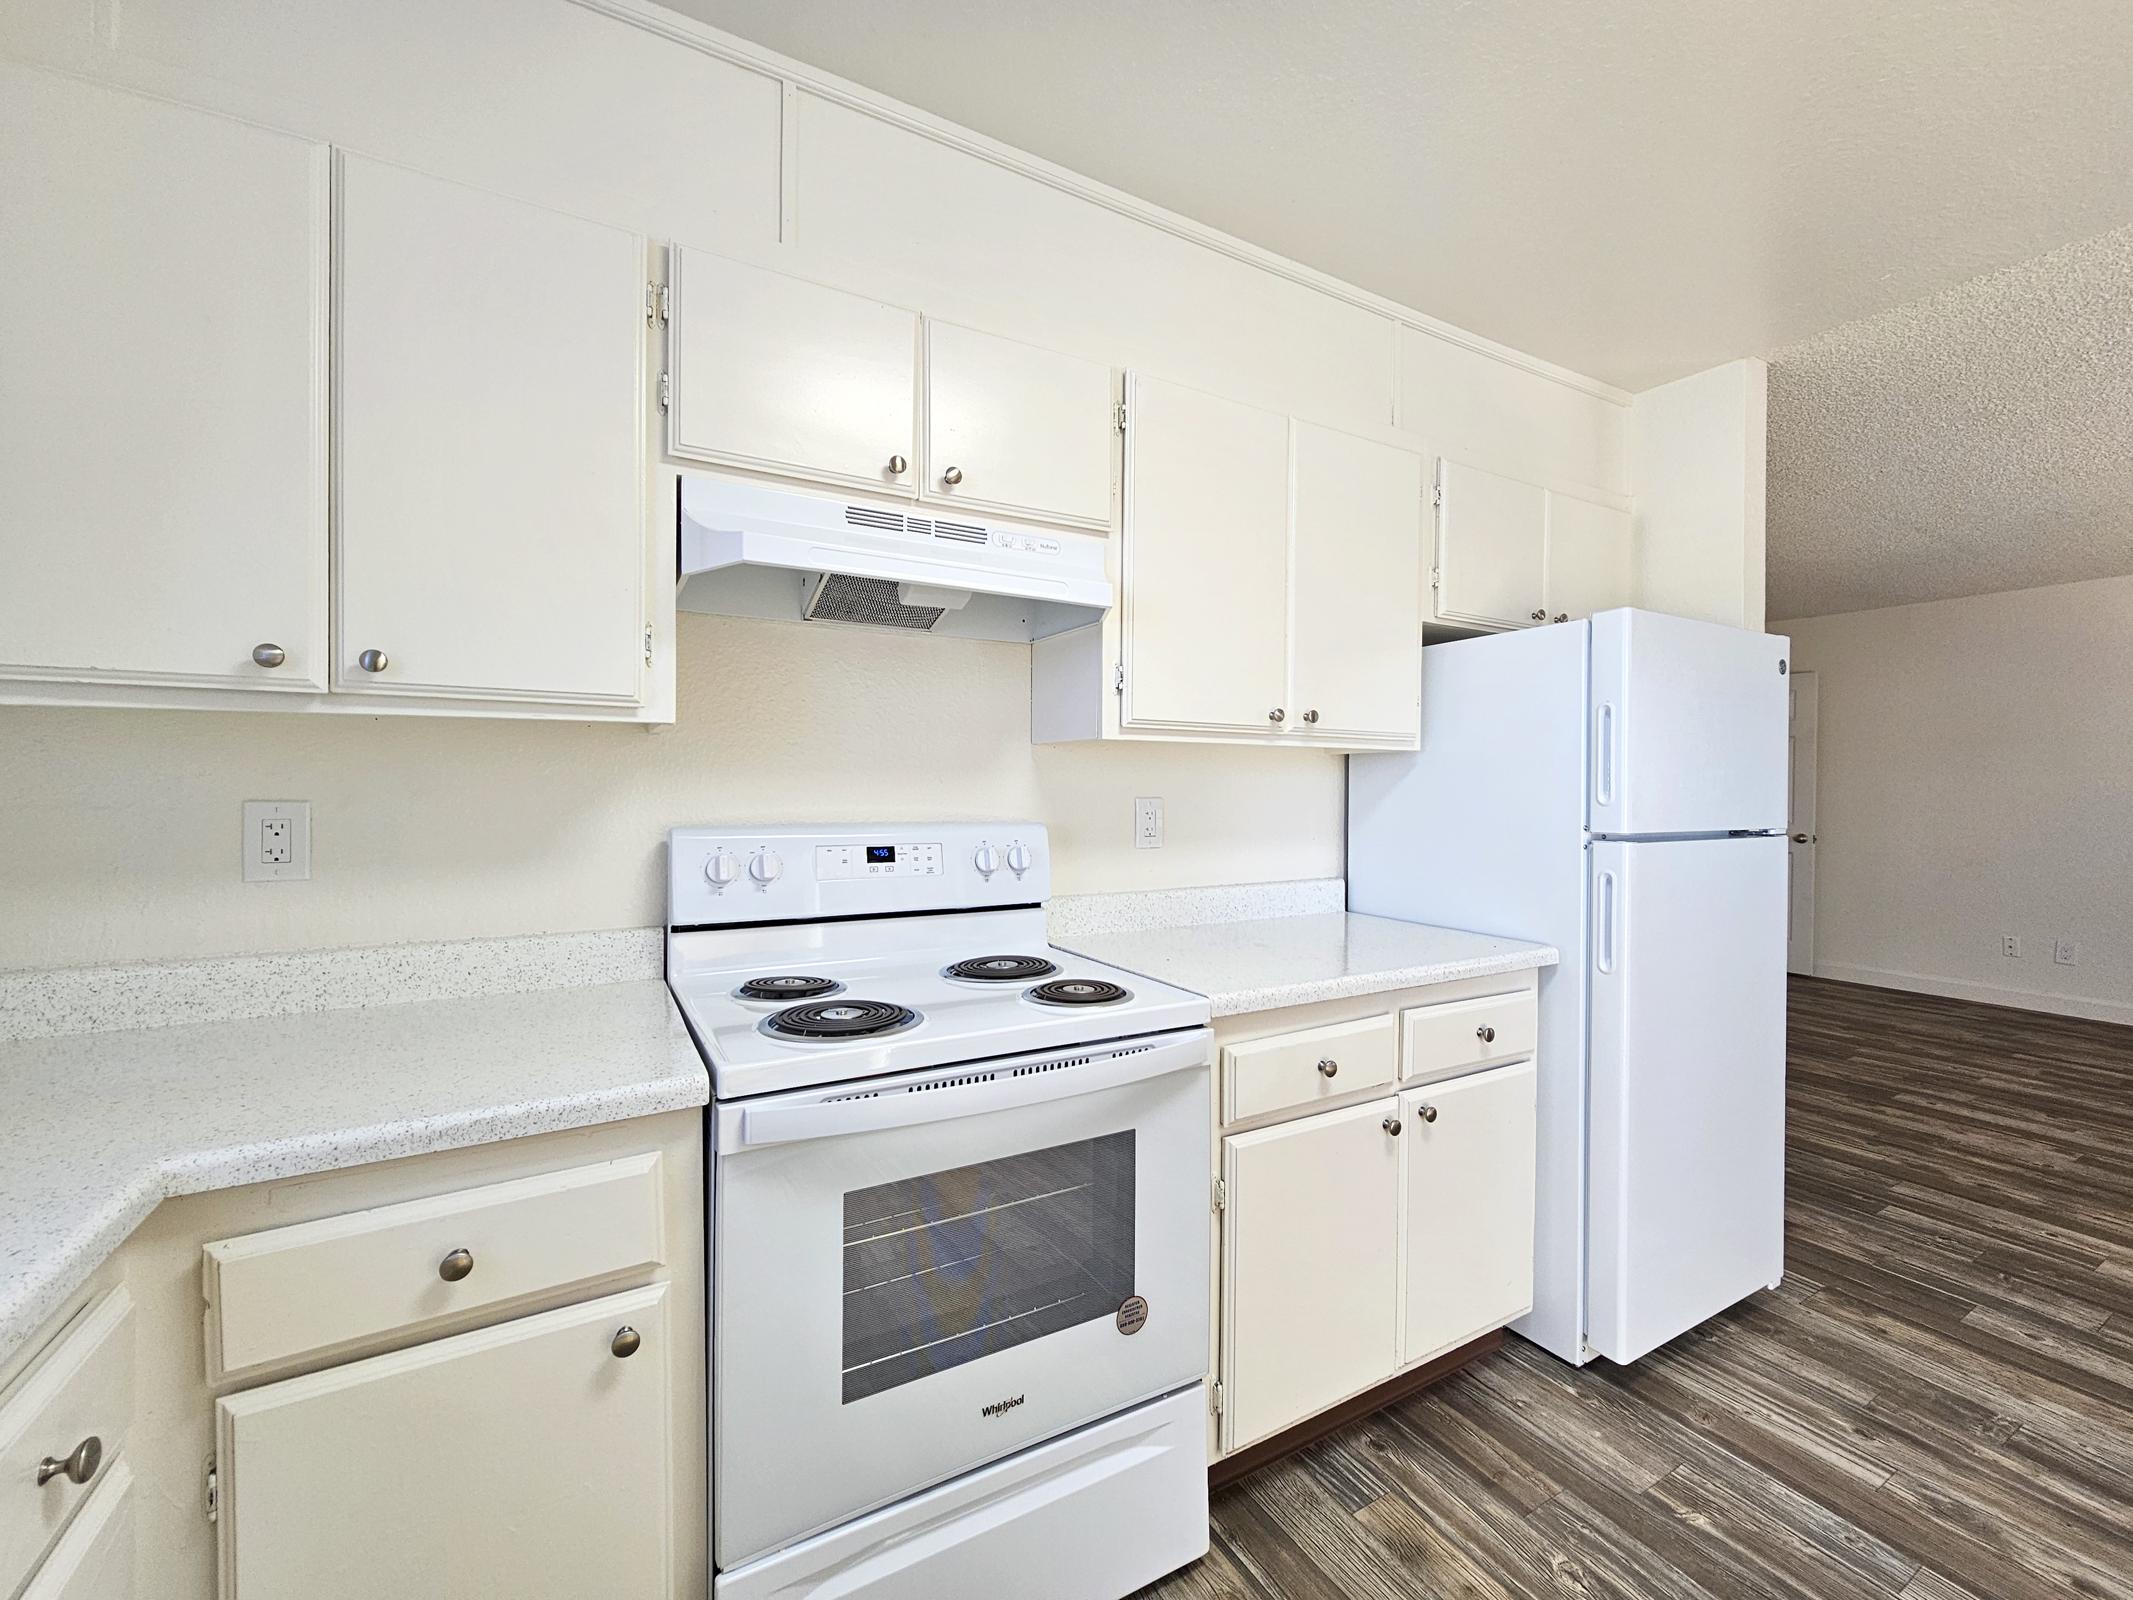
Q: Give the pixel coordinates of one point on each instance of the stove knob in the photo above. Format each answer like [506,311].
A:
[1018,859]
[766,866]
[722,868]
[986,860]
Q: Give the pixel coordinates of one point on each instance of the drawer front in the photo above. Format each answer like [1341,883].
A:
[1464,1034]
[338,1281]
[81,1389]
[1305,1067]
[95,1559]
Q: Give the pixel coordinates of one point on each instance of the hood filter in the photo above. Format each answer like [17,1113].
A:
[872,602]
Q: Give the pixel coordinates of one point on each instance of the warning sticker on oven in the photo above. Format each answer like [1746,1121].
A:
[1132,1314]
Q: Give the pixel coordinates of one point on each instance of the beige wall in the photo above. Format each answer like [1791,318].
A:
[1696,455]
[121,827]
[1976,778]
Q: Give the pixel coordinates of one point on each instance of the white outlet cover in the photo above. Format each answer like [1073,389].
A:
[2064,952]
[257,856]
[1148,822]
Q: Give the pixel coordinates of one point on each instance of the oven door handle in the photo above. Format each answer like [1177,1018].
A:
[1004,1089]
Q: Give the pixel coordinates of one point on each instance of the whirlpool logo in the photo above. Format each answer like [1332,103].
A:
[1000,1408]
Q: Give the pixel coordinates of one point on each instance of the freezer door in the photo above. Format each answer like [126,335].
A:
[1686,1129]
[1688,724]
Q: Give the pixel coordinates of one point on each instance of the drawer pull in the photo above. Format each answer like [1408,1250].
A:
[1328,1067]
[627,1341]
[79,1467]
[456,1265]
[1485,1033]
[1426,1113]
[1392,1126]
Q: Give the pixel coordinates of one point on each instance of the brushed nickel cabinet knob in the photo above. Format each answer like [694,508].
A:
[1310,716]
[627,1342]
[372,661]
[898,466]
[268,655]
[1538,616]
[1392,1126]
[1328,1067]
[1562,616]
[1277,715]
[456,1265]
[952,477]
[1485,1033]
[78,1466]
[1426,1113]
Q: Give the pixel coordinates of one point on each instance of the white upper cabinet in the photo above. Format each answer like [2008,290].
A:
[1204,562]
[163,278]
[776,374]
[1018,430]
[1492,540]
[1588,558]
[489,431]
[1356,566]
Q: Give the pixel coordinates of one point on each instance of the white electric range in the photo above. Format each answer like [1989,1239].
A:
[958,1190]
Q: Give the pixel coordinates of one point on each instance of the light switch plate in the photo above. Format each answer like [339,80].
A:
[277,840]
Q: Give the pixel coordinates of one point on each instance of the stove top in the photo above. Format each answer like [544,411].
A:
[1001,969]
[833,1020]
[1079,992]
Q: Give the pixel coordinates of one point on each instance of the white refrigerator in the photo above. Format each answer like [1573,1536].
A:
[1616,788]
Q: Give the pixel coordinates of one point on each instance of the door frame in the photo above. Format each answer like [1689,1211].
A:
[1802,835]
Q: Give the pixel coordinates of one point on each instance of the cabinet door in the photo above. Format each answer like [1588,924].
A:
[777,374]
[1356,565]
[1017,429]
[1469,1208]
[489,428]
[1492,536]
[1588,558]
[528,1460]
[1205,609]
[1310,1267]
[162,393]
[94,1560]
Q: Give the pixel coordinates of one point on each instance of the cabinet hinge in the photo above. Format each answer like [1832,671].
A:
[1435,581]
[1118,677]
[655,302]
[1221,1193]
[1436,494]
[1118,415]
[1214,1397]
[647,644]
[666,391]
[213,1495]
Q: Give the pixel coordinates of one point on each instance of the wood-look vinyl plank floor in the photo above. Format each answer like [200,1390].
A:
[1936,1404]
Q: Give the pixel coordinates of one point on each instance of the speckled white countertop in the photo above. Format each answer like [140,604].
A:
[97,1128]
[1269,962]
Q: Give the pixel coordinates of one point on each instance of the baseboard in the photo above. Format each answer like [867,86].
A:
[2060,1005]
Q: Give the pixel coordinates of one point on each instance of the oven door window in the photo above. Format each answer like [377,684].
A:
[955,1265]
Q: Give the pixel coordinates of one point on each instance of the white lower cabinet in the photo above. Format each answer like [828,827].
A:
[95,1559]
[1310,1266]
[1467,1211]
[528,1460]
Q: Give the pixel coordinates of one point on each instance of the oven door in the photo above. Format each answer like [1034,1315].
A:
[925,1272]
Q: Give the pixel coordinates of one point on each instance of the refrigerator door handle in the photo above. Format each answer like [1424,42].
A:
[1603,913]
[1603,754]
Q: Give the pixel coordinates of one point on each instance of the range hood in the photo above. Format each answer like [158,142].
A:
[749,550]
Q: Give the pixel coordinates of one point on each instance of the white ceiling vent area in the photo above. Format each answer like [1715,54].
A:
[751,550]
[1974,442]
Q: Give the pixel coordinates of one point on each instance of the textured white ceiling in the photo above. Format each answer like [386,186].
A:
[1976,441]
[1636,188]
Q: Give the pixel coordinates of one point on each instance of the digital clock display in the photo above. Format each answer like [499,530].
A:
[880,852]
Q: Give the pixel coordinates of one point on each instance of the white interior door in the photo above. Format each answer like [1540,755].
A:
[1014,428]
[1800,934]
[1356,566]
[777,374]
[162,392]
[1492,539]
[1688,726]
[1206,603]
[1686,1119]
[489,434]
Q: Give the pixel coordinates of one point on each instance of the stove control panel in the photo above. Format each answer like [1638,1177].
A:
[727,876]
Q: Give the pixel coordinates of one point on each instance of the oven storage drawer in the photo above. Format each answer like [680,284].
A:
[454,1258]
[1461,1035]
[1307,1065]
[79,1390]
[1126,1499]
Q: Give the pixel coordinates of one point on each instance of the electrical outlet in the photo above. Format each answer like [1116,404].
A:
[1148,823]
[2011,946]
[277,840]
[2064,952]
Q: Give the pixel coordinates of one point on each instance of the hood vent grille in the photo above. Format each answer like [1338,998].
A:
[868,517]
[897,522]
[871,602]
[961,532]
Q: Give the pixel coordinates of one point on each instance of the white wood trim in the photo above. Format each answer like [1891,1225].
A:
[797,75]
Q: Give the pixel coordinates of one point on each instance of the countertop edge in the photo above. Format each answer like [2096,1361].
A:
[1239,1002]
